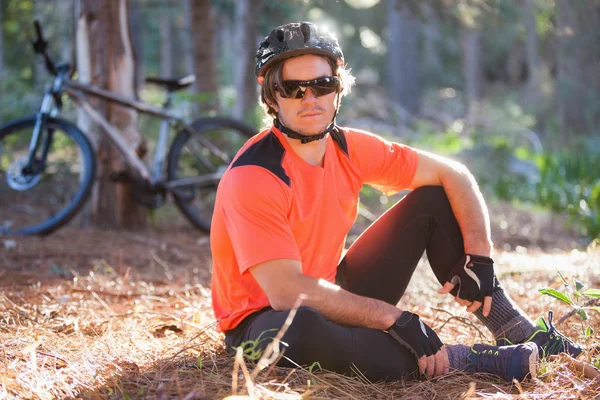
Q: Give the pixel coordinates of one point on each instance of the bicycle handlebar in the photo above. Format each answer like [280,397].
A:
[40,46]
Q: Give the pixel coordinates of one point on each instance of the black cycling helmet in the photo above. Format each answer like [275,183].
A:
[292,40]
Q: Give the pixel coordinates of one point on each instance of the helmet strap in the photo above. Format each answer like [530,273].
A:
[303,138]
[307,138]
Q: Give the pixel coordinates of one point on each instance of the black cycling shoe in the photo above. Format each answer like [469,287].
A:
[549,340]
[508,362]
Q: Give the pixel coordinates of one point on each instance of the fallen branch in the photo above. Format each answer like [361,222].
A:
[589,371]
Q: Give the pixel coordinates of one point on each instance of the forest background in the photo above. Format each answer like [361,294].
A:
[510,88]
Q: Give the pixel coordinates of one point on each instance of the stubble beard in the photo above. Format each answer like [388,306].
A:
[302,130]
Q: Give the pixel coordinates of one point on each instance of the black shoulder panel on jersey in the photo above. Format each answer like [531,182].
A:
[267,153]
[338,136]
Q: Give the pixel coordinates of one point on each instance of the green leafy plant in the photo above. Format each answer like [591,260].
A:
[251,348]
[581,300]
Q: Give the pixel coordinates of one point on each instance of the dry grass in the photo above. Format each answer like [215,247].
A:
[108,335]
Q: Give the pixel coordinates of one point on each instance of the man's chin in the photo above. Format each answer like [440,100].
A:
[311,130]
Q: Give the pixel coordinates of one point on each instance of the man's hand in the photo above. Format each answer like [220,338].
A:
[422,342]
[476,282]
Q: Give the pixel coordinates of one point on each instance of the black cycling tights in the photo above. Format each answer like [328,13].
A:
[380,265]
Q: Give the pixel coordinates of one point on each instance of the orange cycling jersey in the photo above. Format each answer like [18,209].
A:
[271,204]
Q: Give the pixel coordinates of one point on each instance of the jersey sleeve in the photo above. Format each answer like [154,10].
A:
[385,165]
[255,212]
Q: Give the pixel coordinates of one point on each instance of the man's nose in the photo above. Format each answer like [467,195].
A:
[309,96]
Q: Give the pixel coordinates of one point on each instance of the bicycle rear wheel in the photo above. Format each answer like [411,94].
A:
[194,169]
[39,202]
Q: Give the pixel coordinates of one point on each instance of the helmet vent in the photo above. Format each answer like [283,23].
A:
[305,28]
[280,35]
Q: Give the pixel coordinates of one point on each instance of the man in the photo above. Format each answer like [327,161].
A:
[288,200]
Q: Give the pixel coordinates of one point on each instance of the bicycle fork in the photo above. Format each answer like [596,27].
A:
[26,172]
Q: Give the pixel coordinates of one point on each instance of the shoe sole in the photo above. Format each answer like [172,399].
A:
[533,362]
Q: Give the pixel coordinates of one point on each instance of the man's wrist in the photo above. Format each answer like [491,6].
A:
[392,318]
[481,249]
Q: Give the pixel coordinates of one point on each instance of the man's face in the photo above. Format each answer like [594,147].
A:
[311,114]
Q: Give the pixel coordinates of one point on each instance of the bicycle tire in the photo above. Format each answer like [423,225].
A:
[86,171]
[199,214]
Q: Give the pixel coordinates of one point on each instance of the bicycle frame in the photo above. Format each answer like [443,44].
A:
[51,106]
[131,159]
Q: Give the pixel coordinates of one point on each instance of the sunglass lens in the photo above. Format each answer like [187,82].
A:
[320,87]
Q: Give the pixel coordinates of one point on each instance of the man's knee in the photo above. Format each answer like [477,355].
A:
[432,197]
[306,323]
[430,193]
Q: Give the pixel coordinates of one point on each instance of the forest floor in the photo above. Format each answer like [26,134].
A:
[107,314]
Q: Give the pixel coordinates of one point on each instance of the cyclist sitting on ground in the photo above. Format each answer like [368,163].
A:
[286,204]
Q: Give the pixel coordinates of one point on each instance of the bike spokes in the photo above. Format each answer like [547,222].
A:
[32,195]
[195,169]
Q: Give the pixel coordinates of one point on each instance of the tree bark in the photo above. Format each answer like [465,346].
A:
[246,23]
[471,48]
[1,44]
[106,59]
[203,34]
[531,47]
[578,66]
[403,56]
[186,37]
[166,53]
[431,38]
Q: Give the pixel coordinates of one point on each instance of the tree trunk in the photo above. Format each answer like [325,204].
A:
[166,53]
[1,44]
[136,23]
[106,59]
[431,39]
[246,23]
[531,47]
[514,64]
[403,56]
[203,31]
[578,62]
[471,48]
[186,37]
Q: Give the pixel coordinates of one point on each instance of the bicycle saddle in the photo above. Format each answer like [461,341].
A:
[172,85]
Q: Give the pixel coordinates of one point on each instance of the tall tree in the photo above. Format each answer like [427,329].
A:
[403,56]
[431,38]
[1,41]
[203,31]
[472,69]
[105,58]
[246,23]
[166,53]
[186,37]
[578,62]
[531,46]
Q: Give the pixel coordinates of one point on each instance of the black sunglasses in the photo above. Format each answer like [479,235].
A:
[319,86]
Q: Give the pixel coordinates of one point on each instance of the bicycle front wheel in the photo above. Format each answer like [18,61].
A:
[196,162]
[40,200]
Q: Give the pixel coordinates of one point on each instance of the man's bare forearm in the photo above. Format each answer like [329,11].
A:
[469,208]
[339,305]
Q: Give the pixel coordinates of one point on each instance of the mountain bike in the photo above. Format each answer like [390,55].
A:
[48,165]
